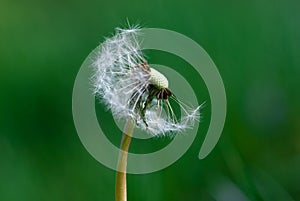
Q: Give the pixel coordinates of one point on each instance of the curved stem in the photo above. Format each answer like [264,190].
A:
[121,189]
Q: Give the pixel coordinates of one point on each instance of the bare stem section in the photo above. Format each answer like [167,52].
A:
[121,188]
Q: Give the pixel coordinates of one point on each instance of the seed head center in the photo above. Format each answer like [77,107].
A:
[158,79]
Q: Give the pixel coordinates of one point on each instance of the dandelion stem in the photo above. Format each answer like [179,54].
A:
[121,189]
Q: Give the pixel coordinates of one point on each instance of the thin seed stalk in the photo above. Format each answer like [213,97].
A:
[121,187]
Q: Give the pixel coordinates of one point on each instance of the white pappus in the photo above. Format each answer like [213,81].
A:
[129,87]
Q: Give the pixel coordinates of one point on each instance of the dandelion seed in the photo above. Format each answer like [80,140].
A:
[129,87]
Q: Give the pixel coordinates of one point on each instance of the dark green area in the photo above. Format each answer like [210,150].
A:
[255,45]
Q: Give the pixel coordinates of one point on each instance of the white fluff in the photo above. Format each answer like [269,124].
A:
[122,84]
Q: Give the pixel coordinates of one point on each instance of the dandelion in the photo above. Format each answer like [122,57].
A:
[131,89]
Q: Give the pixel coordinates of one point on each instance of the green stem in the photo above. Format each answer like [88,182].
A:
[121,189]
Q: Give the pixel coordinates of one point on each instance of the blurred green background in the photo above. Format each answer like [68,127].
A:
[255,45]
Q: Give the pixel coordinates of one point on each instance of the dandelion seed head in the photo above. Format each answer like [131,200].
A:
[129,87]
